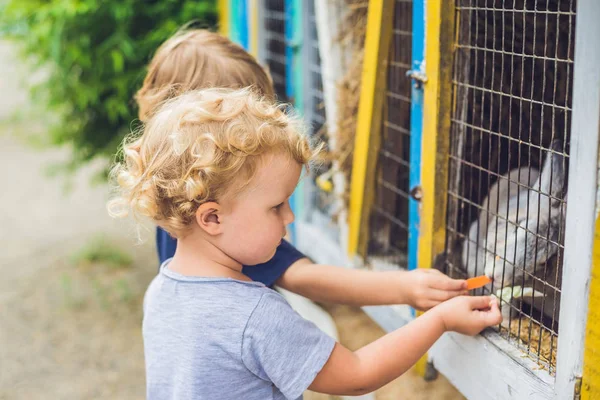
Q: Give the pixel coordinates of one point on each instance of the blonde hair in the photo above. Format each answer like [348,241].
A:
[199,147]
[198,59]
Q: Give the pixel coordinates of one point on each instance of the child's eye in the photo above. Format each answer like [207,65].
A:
[278,206]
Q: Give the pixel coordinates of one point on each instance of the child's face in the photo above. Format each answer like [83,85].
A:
[254,223]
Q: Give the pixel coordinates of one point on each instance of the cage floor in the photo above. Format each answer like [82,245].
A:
[530,335]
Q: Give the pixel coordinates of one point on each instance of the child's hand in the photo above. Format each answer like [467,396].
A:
[426,288]
[469,315]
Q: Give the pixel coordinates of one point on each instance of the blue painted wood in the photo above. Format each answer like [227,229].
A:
[239,32]
[243,15]
[416,130]
[290,91]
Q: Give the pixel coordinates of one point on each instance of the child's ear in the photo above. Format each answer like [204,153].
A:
[208,217]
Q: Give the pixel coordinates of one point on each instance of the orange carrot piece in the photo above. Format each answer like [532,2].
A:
[477,282]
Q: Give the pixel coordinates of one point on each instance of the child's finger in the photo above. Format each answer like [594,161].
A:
[480,302]
[443,295]
[443,282]
[494,316]
[494,302]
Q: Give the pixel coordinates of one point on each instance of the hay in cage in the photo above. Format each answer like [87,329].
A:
[351,38]
[534,338]
[322,197]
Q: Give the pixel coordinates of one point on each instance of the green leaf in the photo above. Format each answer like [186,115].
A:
[118,61]
[94,55]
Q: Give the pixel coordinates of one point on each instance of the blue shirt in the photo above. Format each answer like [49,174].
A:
[221,338]
[266,273]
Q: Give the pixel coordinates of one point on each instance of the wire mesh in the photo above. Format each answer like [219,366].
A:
[323,201]
[317,112]
[512,92]
[389,215]
[274,36]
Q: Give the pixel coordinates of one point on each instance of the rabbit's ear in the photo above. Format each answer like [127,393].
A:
[552,177]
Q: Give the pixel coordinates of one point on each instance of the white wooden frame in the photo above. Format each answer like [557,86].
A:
[583,185]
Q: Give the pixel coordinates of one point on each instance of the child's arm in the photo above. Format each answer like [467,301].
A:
[371,367]
[422,289]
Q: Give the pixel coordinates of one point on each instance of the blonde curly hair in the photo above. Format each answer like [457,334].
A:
[198,59]
[200,147]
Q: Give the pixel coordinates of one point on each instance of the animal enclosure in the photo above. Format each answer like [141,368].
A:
[275,45]
[389,216]
[315,112]
[510,135]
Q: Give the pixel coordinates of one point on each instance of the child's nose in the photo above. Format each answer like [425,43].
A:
[288,216]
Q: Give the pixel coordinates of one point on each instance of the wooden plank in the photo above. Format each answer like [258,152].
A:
[425,23]
[581,213]
[253,9]
[234,28]
[489,368]
[437,99]
[591,362]
[379,31]
[436,131]
[224,16]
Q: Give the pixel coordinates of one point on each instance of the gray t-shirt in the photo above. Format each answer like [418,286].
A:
[220,338]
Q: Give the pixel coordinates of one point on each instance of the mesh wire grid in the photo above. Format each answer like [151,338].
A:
[512,92]
[389,215]
[317,113]
[274,36]
[315,93]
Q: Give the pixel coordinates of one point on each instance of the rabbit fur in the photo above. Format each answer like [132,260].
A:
[507,242]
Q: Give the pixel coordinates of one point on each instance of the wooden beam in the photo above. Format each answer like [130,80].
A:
[366,144]
[437,106]
[580,270]
[224,16]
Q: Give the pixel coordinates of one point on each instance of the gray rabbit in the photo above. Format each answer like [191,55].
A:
[509,237]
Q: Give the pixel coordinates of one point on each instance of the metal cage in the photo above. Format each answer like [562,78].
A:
[275,44]
[314,101]
[509,146]
[390,212]
[314,97]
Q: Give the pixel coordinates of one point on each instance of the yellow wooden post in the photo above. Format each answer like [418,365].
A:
[590,388]
[224,16]
[366,143]
[253,27]
[437,107]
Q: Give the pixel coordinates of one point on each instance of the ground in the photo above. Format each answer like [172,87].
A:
[73,279]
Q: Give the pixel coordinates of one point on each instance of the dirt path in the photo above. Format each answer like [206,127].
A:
[70,328]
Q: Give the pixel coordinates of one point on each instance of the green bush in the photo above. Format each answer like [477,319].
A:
[95,53]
